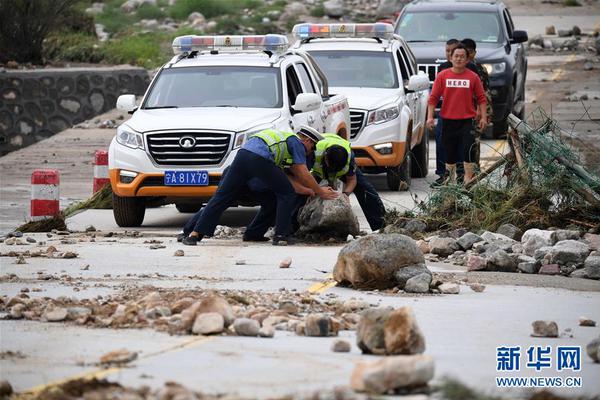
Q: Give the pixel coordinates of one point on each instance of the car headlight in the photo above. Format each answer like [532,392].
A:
[495,68]
[241,137]
[383,114]
[127,137]
[384,148]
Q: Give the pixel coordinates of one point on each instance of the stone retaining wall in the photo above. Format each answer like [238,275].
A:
[35,104]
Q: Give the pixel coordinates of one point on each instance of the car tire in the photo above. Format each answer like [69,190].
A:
[128,211]
[420,158]
[501,127]
[400,174]
[187,208]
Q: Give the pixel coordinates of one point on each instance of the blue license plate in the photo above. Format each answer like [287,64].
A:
[186,178]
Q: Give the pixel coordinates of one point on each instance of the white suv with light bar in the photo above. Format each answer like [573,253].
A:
[388,96]
[199,110]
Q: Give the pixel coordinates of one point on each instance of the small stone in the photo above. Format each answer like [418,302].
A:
[593,349]
[588,66]
[10,241]
[85,267]
[318,325]
[476,263]
[121,356]
[240,262]
[467,240]
[16,311]
[564,32]
[219,305]
[528,267]
[576,31]
[90,228]
[246,327]
[549,269]
[208,323]
[550,30]
[583,321]
[477,287]
[29,239]
[544,329]
[5,388]
[423,246]
[266,332]
[418,283]
[20,259]
[449,288]
[157,246]
[55,314]
[286,262]
[341,346]
[179,253]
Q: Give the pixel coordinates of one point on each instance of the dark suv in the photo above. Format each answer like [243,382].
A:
[427,24]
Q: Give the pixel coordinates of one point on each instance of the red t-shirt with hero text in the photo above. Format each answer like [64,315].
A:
[458,91]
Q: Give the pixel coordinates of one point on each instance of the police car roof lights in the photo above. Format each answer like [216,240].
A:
[379,30]
[272,43]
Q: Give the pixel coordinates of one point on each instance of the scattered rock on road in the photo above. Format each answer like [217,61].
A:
[246,327]
[218,305]
[584,321]
[319,325]
[55,314]
[449,288]
[387,331]
[121,356]
[286,262]
[266,331]
[392,373]
[544,329]
[593,349]
[418,283]
[324,219]
[5,388]
[208,323]
[341,346]
[376,261]
[179,253]
[477,287]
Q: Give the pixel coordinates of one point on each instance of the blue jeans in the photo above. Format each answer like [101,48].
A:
[246,166]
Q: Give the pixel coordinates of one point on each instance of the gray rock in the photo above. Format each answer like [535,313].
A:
[208,323]
[592,267]
[266,331]
[328,218]
[511,231]
[373,261]
[6,388]
[529,267]
[570,44]
[369,331]
[517,248]
[544,329]
[477,287]
[564,32]
[74,313]
[403,275]
[500,260]
[593,240]
[334,8]
[195,16]
[16,311]
[541,253]
[415,226]
[588,66]
[476,263]
[341,346]
[467,240]
[55,315]
[492,237]
[392,373]
[549,269]
[593,349]
[533,239]
[443,246]
[479,247]
[567,234]
[506,245]
[418,283]
[579,273]
[449,288]
[246,327]
[569,252]
[293,11]
[537,40]
[389,7]
[576,31]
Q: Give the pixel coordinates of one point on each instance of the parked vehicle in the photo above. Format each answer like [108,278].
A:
[199,110]
[378,73]
[427,24]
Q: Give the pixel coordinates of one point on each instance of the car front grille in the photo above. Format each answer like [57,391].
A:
[206,148]
[430,69]
[357,122]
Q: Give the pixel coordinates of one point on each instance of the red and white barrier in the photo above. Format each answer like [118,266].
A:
[45,194]
[100,170]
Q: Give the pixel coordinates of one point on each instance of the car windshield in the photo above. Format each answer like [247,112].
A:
[216,86]
[440,26]
[358,68]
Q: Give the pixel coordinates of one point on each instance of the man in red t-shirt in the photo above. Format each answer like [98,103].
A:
[458,86]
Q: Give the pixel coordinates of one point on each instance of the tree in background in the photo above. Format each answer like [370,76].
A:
[26,23]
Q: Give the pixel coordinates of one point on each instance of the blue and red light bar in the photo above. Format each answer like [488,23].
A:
[273,43]
[380,30]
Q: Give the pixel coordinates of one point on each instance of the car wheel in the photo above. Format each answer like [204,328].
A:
[399,178]
[501,127]
[420,158]
[187,207]
[128,211]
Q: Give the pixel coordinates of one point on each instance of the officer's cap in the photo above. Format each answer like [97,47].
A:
[310,133]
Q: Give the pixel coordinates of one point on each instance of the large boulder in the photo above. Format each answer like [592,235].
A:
[388,331]
[328,218]
[533,239]
[378,261]
[392,373]
[569,252]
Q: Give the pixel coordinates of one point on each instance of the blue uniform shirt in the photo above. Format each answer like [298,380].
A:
[258,146]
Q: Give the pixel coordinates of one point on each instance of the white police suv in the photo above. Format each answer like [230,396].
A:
[201,107]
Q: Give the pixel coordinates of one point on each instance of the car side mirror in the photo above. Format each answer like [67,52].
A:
[418,82]
[519,37]
[126,102]
[306,102]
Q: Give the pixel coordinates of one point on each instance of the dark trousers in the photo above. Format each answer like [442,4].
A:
[458,140]
[440,152]
[369,201]
[246,166]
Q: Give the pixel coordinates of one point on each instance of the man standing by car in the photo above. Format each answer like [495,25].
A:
[263,156]
[458,86]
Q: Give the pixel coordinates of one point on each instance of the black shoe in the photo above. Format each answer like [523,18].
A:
[439,181]
[191,240]
[280,240]
[250,238]
[181,236]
